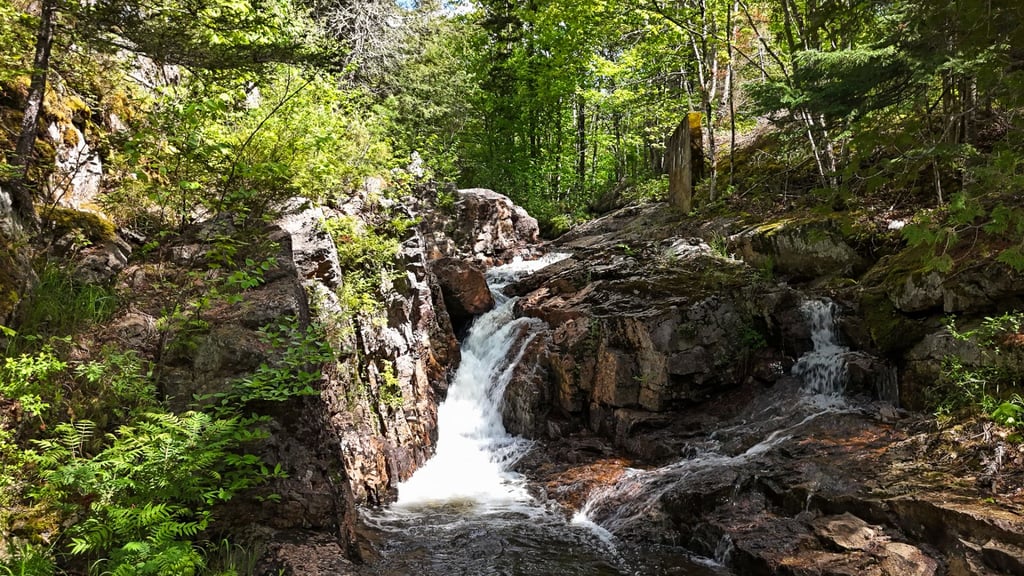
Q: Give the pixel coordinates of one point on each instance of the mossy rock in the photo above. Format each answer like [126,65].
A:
[94,227]
[802,247]
[9,285]
[16,276]
[889,329]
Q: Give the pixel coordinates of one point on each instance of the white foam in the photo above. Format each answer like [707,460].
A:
[474,451]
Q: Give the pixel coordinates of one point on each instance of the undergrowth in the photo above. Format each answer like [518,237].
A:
[992,386]
[100,475]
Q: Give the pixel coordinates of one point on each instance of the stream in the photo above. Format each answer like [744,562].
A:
[466,512]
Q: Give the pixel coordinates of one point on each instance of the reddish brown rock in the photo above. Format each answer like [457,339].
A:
[464,288]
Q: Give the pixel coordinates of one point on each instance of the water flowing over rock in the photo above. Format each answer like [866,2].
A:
[649,325]
[684,397]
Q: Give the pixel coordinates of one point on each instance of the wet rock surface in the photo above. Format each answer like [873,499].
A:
[841,492]
[662,400]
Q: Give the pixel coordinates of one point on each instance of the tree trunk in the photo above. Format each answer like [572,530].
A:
[731,91]
[581,144]
[21,192]
[684,162]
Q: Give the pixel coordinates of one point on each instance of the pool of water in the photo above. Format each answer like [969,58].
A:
[461,539]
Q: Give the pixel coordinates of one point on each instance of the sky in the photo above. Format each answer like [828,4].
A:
[448,6]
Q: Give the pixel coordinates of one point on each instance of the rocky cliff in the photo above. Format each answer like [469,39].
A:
[216,305]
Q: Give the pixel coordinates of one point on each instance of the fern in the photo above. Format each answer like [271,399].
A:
[919,234]
[153,488]
[1013,257]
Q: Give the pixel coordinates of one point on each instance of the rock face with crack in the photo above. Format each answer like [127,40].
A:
[480,225]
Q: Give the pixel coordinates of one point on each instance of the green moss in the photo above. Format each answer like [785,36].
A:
[68,220]
[10,283]
[769,228]
[890,330]
[892,271]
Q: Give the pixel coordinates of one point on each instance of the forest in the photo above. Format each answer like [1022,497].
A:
[227,110]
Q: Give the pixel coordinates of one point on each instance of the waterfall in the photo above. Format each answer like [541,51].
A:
[474,453]
[635,501]
[823,369]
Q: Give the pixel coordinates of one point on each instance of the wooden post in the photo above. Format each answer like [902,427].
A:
[684,162]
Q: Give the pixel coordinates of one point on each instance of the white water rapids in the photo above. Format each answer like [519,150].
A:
[474,452]
[466,512]
[823,369]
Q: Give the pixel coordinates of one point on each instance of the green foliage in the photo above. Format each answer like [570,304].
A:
[218,36]
[986,387]
[295,373]
[430,96]
[367,256]
[30,378]
[119,378]
[151,491]
[988,218]
[28,560]
[839,85]
[649,190]
[719,245]
[389,389]
[15,41]
[12,462]
[1010,413]
[231,559]
[752,339]
[60,305]
[208,150]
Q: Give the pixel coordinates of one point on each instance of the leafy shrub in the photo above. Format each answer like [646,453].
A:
[28,560]
[152,490]
[988,387]
[303,351]
[29,378]
[119,379]
[366,256]
[242,149]
[389,389]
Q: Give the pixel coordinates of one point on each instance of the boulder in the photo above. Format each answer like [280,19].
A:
[914,288]
[102,263]
[313,250]
[800,249]
[464,289]
[1004,557]
[652,324]
[482,225]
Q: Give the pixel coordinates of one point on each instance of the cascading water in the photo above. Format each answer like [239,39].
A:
[474,452]
[466,512]
[635,502]
[823,369]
